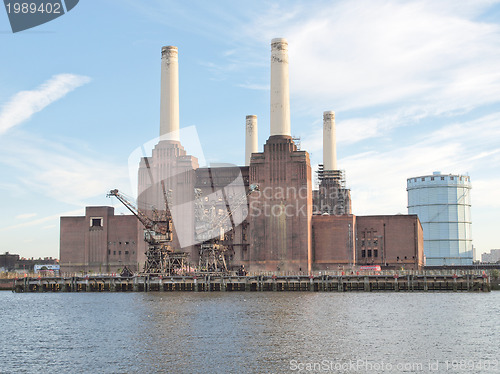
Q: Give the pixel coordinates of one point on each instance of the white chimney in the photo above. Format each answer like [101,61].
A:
[169,97]
[329,141]
[251,141]
[280,90]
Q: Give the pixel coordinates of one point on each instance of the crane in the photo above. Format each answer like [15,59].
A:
[160,258]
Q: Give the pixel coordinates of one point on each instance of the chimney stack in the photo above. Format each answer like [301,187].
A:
[329,141]
[169,97]
[251,141]
[280,90]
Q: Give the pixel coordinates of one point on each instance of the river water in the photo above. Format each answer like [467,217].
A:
[243,332]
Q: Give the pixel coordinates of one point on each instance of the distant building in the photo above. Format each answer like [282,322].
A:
[492,257]
[14,263]
[8,261]
[442,202]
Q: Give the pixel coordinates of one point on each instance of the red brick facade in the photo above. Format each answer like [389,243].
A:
[280,213]
[341,242]
[99,242]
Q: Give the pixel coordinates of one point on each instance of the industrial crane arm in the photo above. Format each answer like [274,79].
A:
[146,221]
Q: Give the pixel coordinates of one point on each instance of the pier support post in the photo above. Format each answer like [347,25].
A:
[367,284]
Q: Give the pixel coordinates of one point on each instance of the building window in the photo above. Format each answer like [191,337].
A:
[114,252]
[126,242]
[375,242]
[362,243]
[375,253]
[442,178]
[126,252]
[96,221]
[423,179]
[432,178]
[119,253]
[369,253]
[109,252]
[452,178]
[363,253]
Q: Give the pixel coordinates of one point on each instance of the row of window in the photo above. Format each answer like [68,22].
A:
[466,179]
[119,252]
[369,252]
[120,243]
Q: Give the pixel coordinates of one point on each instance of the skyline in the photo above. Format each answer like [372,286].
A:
[415,87]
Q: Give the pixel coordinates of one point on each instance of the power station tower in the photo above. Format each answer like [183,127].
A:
[332,197]
[442,203]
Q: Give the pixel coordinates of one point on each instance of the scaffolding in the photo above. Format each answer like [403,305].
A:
[215,228]
[333,196]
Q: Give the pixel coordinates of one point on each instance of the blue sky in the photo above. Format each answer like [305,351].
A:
[415,87]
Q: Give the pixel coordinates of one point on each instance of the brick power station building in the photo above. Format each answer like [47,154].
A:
[283,226]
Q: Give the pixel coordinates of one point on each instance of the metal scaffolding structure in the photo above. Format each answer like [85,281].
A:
[333,196]
[215,228]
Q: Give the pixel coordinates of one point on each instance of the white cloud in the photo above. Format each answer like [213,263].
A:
[25,104]
[378,177]
[37,222]
[61,172]
[349,55]
[25,216]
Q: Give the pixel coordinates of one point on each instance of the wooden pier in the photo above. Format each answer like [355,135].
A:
[256,283]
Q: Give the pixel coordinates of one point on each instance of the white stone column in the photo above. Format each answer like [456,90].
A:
[251,138]
[280,90]
[169,97]
[329,141]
